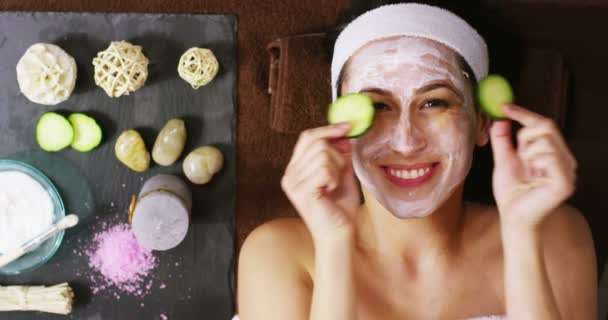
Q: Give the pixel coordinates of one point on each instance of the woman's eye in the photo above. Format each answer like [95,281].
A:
[381,106]
[436,103]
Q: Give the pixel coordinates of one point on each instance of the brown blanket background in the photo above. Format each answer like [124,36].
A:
[573,28]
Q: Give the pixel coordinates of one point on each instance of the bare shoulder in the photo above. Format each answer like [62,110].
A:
[566,228]
[284,241]
[273,281]
[570,261]
[567,240]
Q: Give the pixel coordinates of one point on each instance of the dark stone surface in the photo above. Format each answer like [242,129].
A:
[198,275]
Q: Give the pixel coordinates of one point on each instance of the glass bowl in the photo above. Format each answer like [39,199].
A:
[47,249]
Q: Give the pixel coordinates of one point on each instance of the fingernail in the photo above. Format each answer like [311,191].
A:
[344,125]
[507,107]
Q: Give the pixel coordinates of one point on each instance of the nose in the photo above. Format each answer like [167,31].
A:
[407,138]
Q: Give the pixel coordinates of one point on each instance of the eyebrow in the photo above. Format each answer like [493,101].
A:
[426,88]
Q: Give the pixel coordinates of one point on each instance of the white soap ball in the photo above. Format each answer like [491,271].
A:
[46,74]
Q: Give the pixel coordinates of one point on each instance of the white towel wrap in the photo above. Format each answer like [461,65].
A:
[416,20]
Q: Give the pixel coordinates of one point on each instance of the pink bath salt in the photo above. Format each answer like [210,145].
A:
[121,260]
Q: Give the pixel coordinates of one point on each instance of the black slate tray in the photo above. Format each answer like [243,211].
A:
[197,276]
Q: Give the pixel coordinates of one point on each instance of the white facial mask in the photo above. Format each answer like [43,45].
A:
[437,140]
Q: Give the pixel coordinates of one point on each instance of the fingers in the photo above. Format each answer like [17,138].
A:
[344,145]
[323,150]
[521,115]
[317,165]
[549,168]
[325,162]
[544,137]
[310,136]
[502,146]
[540,136]
[323,179]
[547,144]
[544,157]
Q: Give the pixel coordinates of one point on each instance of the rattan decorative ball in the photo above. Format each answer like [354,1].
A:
[121,69]
[198,66]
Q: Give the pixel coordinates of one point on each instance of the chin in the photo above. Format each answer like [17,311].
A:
[412,213]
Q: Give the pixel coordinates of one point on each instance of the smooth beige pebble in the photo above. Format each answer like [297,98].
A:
[170,143]
[201,164]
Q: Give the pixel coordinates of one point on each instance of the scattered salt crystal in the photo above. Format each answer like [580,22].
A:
[163,316]
[162,286]
[122,262]
[177,264]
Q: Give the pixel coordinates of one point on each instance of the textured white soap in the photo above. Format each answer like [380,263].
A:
[26,209]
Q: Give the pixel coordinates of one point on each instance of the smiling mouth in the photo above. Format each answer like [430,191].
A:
[410,176]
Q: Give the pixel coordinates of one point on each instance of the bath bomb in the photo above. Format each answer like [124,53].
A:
[46,74]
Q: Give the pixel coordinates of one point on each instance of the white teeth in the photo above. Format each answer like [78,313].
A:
[399,174]
[409,174]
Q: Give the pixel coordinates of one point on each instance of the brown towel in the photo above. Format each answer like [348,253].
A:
[299,82]
[543,86]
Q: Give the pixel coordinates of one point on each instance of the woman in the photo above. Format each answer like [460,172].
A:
[385,233]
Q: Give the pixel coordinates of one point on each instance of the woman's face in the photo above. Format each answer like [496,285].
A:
[420,146]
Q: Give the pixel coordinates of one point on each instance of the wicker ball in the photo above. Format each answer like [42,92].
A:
[121,68]
[198,66]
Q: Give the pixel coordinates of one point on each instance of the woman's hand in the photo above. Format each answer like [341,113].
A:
[320,181]
[531,181]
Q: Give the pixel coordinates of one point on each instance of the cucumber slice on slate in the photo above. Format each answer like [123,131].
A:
[53,132]
[87,133]
[494,91]
[356,108]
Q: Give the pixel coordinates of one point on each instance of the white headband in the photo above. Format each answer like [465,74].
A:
[411,19]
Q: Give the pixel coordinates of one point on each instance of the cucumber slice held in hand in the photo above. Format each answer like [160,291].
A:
[493,92]
[355,108]
[54,132]
[87,133]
